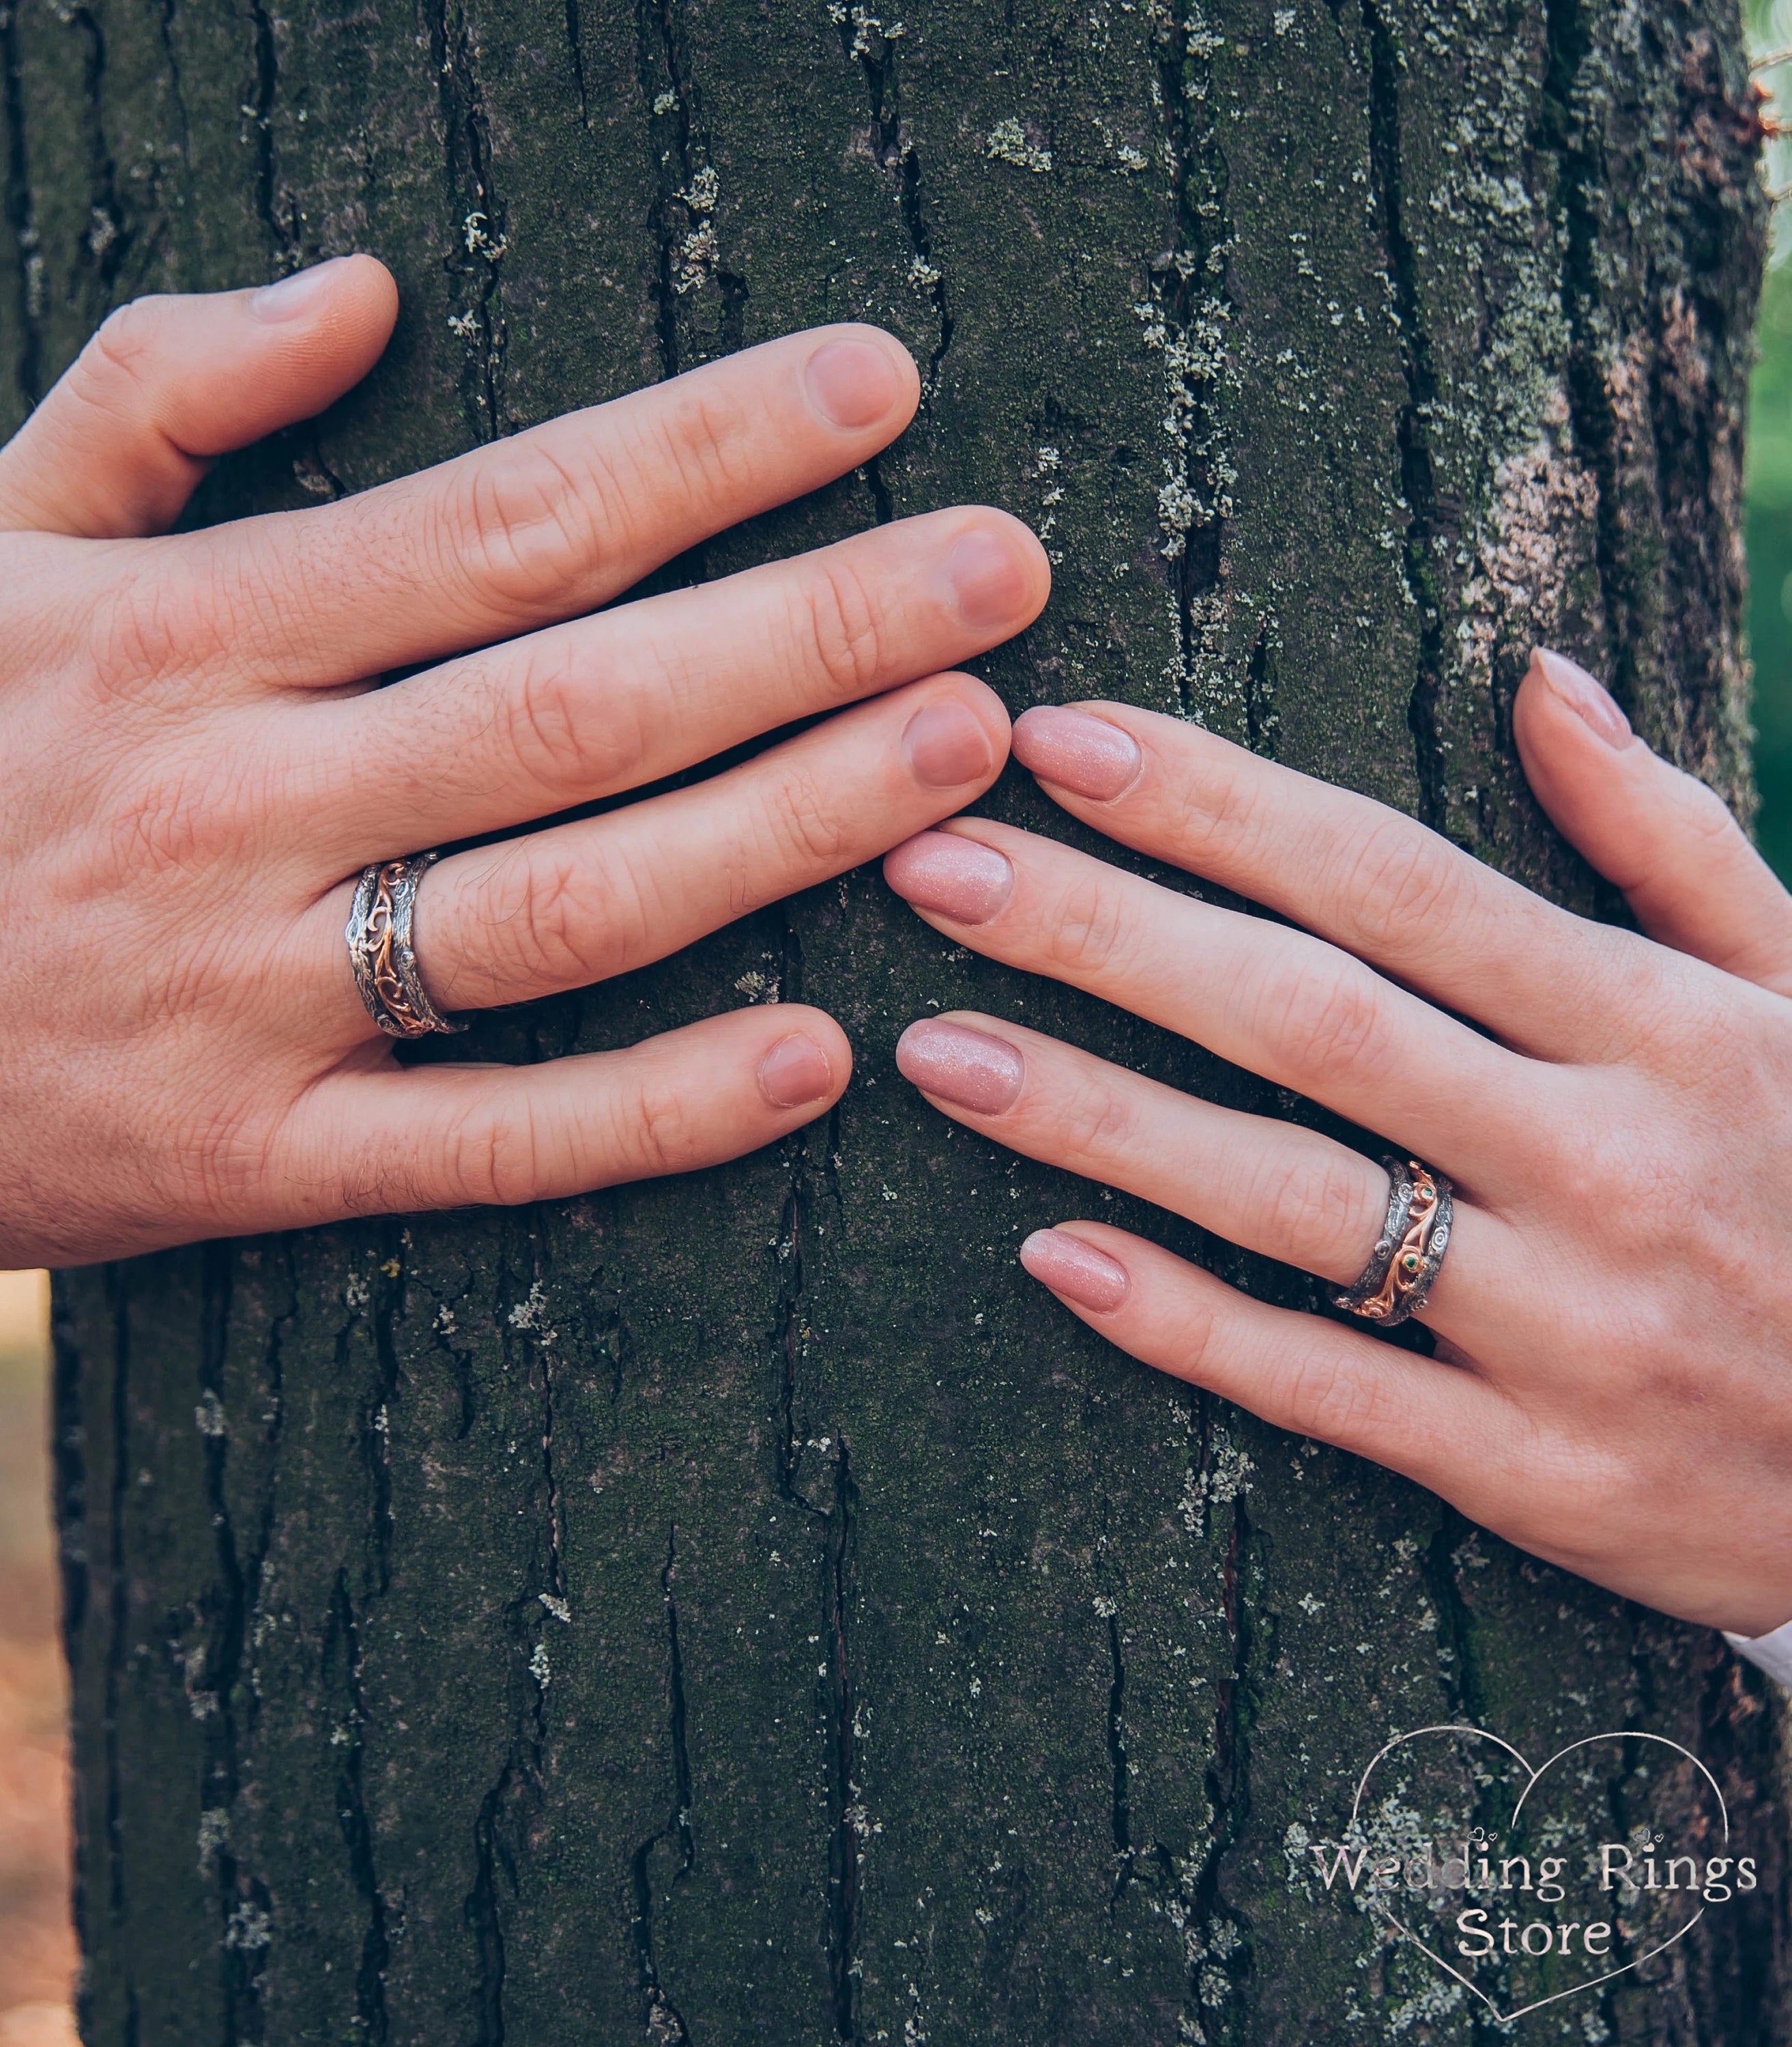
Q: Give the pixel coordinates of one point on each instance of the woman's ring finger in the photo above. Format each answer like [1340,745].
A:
[1273,1187]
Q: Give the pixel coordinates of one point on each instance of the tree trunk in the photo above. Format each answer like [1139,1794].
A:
[746,1608]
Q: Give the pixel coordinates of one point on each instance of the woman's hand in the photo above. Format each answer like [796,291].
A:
[196,764]
[1613,1383]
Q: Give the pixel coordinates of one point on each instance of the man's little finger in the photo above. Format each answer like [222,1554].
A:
[375,1139]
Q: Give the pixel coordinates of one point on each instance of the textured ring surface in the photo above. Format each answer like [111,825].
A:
[378,932]
[1409,1253]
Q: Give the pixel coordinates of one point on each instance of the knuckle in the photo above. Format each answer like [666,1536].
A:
[511,531]
[694,437]
[1314,1209]
[660,1136]
[806,824]
[1090,931]
[1706,815]
[550,737]
[1401,879]
[495,1157]
[1100,1122]
[838,626]
[116,371]
[1326,1015]
[564,920]
[176,821]
[1337,1398]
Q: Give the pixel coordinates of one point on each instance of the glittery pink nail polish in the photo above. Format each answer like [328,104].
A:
[1074,1270]
[1086,755]
[968,1068]
[951,875]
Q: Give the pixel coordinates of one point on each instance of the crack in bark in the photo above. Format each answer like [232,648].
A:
[1418,555]
[480,238]
[576,50]
[283,234]
[892,150]
[1228,1777]
[118,1617]
[376,1426]
[108,240]
[1121,1819]
[243,1901]
[21,217]
[1568,140]
[683,214]
[665,2026]
[358,1833]
[1461,1680]
[481,1911]
[1187,312]
[165,30]
[846,1811]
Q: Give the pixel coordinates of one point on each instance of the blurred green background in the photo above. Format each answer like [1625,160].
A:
[1769,474]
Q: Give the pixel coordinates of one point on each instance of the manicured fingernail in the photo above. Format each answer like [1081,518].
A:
[289,297]
[1583,696]
[1085,755]
[945,746]
[795,1071]
[988,583]
[1074,1270]
[956,876]
[852,382]
[968,1068]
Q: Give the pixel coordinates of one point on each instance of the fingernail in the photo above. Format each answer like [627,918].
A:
[852,382]
[1591,704]
[970,1068]
[1074,1270]
[945,746]
[956,876]
[287,297]
[1085,755]
[987,581]
[795,1071]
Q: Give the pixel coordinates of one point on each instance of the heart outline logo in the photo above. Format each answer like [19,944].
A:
[1532,1778]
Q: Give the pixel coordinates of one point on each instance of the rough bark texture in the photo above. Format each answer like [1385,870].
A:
[747,1608]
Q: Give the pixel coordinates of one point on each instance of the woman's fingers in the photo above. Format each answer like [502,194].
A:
[371,1141]
[1316,1378]
[1668,842]
[166,384]
[1298,1012]
[1271,1186]
[546,524]
[609,703]
[1364,876]
[583,902]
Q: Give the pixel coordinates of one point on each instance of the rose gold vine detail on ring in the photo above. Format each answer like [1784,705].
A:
[1424,1228]
[381,951]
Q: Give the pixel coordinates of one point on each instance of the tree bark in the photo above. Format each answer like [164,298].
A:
[746,1608]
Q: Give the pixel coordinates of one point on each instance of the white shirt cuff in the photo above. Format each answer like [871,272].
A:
[1771,1652]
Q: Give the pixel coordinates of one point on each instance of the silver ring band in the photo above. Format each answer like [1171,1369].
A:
[378,932]
[1409,1253]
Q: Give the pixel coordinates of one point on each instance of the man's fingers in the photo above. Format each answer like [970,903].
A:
[1669,843]
[546,525]
[646,689]
[585,901]
[371,1140]
[119,444]
[1315,1378]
